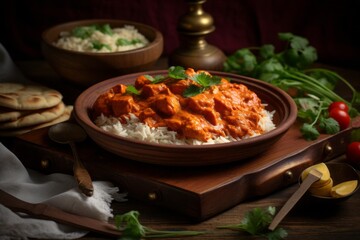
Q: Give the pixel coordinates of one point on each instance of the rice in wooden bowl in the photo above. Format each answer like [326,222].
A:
[86,60]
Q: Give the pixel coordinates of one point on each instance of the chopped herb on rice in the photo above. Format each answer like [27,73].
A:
[101,38]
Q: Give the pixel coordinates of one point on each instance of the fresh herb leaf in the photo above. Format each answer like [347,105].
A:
[122,42]
[193,90]
[206,80]
[309,132]
[242,60]
[132,229]
[177,72]
[267,51]
[126,42]
[300,54]
[288,70]
[83,32]
[135,41]
[105,29]
[330,125]
[98,45]
[132,90]
[156,79]
[256,222]
[86,31]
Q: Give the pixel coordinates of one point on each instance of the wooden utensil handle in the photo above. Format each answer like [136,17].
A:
[48,212]
[83,179]
[81,175]
[313,176]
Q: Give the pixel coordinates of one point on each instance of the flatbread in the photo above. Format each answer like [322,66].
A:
[35,117]
[8,114]
[62,118]
[28,97]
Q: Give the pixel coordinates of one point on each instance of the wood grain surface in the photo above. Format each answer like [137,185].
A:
[307,220]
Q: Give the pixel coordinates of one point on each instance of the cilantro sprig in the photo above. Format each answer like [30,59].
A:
[126,42]
[132,229]
[98,45]
[84,32]
[256,222]
[203,80]
[314,114]
[289,69]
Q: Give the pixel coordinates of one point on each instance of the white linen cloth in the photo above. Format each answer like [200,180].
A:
[58,190]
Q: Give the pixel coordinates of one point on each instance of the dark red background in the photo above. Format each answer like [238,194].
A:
[332,27]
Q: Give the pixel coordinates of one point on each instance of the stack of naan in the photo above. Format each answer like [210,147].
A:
[26,107]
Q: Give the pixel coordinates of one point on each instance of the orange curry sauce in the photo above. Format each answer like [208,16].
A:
[221,110]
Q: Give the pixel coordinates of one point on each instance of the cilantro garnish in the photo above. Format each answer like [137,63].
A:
[256,222]
[86,31]
[206,80]
[177,72]
[156,79]
[132,229]
[83,32]
[98,45]
[126,42]
[202,79]
[289,69]
[132,90]
[105,29]
[193,90]
[313,112]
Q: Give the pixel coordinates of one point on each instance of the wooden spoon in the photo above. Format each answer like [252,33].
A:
[314,175]
[44,211]
[69,133]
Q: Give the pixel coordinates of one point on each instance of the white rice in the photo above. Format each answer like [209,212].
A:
[137,130]
[69,42]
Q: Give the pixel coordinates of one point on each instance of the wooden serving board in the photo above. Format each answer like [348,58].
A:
[198,192]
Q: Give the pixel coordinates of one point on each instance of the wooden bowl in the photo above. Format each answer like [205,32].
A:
[185,155]
[85,68]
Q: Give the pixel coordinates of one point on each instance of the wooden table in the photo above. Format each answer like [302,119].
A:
[305,221]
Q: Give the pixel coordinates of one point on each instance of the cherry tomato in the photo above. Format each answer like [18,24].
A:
[353,153]
[341,116]
[340,105]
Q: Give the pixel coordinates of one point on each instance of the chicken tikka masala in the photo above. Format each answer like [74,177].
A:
[196,105]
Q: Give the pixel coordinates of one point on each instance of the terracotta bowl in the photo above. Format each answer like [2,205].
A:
[86,69]
[185,155]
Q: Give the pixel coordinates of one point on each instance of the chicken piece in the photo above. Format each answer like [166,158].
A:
[211,116]
[101,105]
[123,104]
[190,71]
[151,90]
[174,124]
[223,106]
[166,105]
[196,130]
[141,81]
[179,87]
[149,116]
[200,102]
[119,89]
